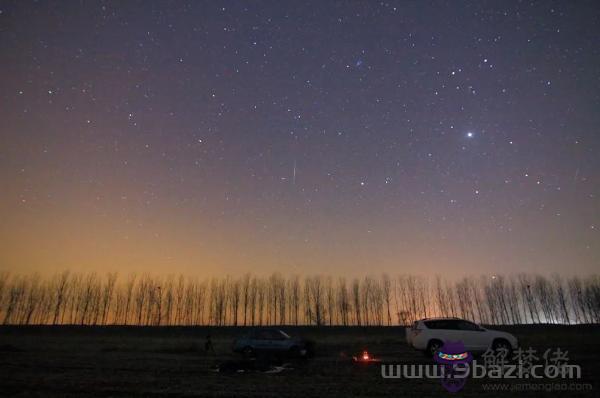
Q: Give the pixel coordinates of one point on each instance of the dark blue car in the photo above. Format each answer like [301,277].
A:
[270,341]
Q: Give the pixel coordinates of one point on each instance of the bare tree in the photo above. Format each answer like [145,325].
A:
[294,293]
[315,300]
[246,296]
[386,285]
[15,294]
[234,300]
[88,299]
[61,290]
[356,301]
[343,301]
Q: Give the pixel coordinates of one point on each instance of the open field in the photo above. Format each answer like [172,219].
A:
[170,361]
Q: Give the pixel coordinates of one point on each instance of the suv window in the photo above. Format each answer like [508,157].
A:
[446,324]
[452,324]
[435,324]
[466,325]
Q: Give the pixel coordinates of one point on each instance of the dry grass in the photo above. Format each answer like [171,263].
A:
[136,362]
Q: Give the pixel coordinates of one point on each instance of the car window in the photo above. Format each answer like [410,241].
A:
[263,335]
[466,325]
[452,324]
[432,324]
[269,334]
[444,324]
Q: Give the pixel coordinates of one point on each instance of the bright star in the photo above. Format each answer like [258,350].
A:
[470,135]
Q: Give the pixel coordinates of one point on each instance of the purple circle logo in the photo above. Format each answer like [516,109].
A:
[454,360]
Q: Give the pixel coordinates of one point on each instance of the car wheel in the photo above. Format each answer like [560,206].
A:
[248,352]
[295,352]
[433,347]
[502,344]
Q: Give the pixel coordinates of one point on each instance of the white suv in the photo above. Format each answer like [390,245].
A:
[429,335]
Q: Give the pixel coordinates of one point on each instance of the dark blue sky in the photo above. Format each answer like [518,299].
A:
[338,137]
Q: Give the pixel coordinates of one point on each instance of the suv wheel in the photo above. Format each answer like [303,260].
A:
[502,344]
[248,352]
[433,347]
[295,352]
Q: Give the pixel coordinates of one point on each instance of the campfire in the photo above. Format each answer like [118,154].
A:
[365,357]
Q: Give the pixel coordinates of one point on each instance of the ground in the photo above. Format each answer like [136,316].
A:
[170,361]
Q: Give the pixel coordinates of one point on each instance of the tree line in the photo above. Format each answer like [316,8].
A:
[249,300]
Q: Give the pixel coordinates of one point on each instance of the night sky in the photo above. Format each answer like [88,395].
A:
[342,138]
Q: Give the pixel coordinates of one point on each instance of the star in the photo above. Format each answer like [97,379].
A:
[419,134]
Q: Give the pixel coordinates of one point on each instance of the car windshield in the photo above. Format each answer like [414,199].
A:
[287,336]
